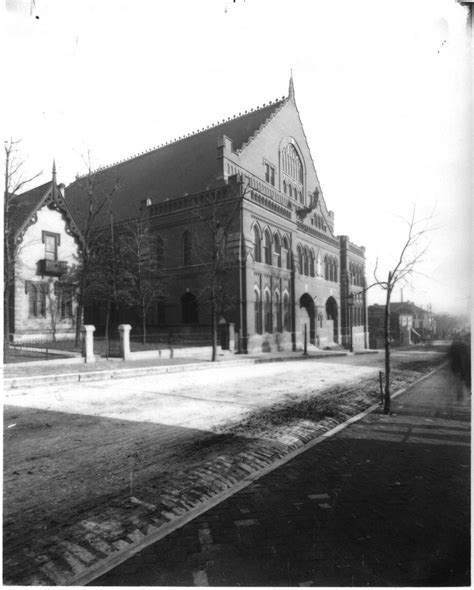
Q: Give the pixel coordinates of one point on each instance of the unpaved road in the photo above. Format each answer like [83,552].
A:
[67,449]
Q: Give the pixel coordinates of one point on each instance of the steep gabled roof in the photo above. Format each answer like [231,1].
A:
[23,207]
[186,165]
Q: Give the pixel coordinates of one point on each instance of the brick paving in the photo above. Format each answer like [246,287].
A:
[385,502]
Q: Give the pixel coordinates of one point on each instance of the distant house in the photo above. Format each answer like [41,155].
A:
[409,324]
[46,241]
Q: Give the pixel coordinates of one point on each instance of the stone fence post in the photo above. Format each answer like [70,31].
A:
[124,331]
[88,343]
[231,337]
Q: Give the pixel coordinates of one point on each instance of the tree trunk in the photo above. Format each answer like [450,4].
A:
[144,325]
[6,317]
[79,312]
[386,407]
[214,329]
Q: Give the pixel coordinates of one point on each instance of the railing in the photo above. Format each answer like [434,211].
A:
[39,349]
[52,267]
[171,337]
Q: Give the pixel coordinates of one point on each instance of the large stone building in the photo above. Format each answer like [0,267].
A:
[44,241]
[289,279]
[292,275]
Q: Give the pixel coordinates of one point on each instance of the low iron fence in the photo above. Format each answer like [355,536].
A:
[39,349]
[170,338]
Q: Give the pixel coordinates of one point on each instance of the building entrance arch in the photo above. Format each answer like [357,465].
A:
[307,302]
[189,308]
[331,313]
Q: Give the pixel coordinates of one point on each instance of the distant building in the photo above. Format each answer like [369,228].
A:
[409,324]
[47,241]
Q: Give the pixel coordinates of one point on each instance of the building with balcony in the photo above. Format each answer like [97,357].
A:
[288,275]
[45,241]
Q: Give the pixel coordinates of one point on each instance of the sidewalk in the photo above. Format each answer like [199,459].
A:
[103,539]
[385,502]
[53,371]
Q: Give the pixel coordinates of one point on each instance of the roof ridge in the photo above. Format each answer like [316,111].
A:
[193,134]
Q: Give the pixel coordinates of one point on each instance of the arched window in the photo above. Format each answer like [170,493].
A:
[286,312]
[187,248]
[300,260]
[267,312]
[258,312]
[305,262]
[189,309]
[292,163]
[320,320]
[159,251]
[267,247]
[278,311]
[287,253]
[292,169]
[311,263]
[326,268]
[335,271]
[277,249]
[257,244]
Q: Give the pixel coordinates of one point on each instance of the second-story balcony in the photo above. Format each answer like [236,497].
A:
[52,267]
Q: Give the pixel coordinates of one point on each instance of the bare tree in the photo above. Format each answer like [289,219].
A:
[15,182]
[96,191]
[144,279]
[411,254]
[214,216]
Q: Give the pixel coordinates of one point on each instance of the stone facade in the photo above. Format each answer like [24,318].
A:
[292,275]
[42,307]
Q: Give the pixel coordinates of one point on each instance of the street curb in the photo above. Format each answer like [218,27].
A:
[12,383]
[111,562]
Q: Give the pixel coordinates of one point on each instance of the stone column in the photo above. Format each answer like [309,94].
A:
[124,331]
[88,343]
[231,337]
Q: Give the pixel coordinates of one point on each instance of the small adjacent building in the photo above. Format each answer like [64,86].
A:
[409,324]
[45,241]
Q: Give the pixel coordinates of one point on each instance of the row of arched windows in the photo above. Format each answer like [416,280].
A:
[356,274]
[305,261]
[276,250]
[330,268]
[293,191]
[318,221]
[271,315]
[357,315]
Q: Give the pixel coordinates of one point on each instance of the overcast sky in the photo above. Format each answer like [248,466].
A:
[382,89]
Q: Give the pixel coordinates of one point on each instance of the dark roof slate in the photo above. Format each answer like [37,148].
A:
[187,165]
[24,205]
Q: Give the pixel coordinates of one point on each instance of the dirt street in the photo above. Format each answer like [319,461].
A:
[69,449]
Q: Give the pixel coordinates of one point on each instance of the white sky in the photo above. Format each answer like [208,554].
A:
[383,89]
